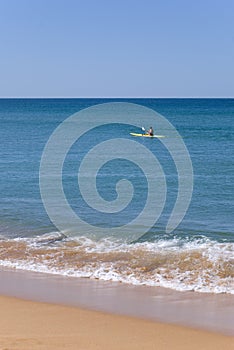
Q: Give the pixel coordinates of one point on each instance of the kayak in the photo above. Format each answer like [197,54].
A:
[146,135]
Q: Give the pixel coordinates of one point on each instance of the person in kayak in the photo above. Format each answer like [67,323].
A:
[150,131]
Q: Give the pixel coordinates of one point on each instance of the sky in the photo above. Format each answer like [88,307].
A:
[116,48]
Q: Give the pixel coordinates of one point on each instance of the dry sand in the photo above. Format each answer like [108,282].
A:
[27,325]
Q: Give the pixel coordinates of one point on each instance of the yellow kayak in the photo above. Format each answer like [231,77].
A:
[146,135]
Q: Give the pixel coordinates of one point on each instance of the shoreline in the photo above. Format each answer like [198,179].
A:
[205,312]
[27,325]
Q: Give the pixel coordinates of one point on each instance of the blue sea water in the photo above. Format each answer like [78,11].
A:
[206,234]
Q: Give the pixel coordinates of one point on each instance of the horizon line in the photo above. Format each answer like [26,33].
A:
[116,97]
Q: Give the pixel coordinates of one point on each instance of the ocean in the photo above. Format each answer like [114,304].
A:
[198,254]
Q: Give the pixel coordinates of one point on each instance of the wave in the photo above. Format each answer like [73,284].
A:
[201,264]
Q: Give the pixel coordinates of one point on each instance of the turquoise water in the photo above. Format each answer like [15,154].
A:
[207,128]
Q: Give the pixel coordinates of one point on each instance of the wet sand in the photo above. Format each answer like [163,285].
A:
[212,312]
[27,325]
[42,311]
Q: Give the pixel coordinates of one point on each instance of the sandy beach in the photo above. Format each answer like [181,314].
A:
[42,311]
[34,325]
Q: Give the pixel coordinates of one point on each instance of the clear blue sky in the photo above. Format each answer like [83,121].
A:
[116,48]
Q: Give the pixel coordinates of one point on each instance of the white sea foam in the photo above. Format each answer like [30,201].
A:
[201,264]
